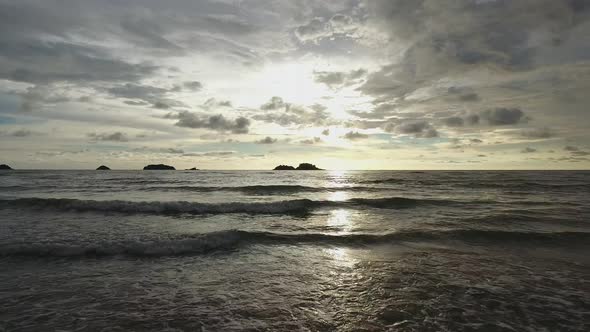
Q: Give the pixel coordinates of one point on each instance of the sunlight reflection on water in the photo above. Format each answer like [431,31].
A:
[338,196]
[340,218]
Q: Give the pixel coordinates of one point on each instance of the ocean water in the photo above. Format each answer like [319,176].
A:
[294,251]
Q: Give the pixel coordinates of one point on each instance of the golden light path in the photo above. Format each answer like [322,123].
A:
[340,219]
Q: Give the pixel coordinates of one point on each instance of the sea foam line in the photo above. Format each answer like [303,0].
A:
[232,239]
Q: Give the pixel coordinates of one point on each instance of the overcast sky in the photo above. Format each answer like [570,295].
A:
[230,84]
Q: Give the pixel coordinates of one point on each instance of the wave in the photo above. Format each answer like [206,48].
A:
[260,189]
[183,207]
[232,239]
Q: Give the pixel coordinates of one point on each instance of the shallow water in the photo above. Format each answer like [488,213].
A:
[283,251]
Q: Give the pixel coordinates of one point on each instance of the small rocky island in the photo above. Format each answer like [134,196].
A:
[284,168]
[103,168]
[301,167]
[4,166]
[159,167]
[192,169]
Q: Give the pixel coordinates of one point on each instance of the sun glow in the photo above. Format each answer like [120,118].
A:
[291,81]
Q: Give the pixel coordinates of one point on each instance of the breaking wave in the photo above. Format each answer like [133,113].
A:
[184,207]
[232,239]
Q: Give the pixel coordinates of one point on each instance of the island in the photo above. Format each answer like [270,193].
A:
[307,167]
[192,169]
[301,167]
[284,168]
[159,167]
[4,166]
[103,168]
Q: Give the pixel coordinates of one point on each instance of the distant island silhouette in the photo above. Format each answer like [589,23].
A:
[103,168]
[192,169]
[4,166]
[301,167]
[159,167]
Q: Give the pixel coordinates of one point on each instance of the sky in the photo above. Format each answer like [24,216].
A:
[359,84]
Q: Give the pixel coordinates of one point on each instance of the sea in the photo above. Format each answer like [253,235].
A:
[294,250]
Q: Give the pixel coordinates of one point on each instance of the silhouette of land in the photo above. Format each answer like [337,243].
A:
[301,167]
[159,167]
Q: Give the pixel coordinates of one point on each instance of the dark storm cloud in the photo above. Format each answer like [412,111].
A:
[266,140]
[355,135]
[114,137]
[217,122]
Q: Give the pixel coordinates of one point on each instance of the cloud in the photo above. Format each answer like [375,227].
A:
[498,33]
[210,154]
[266,140]
[287,114]
[492,117]
[335,79]
[576,151]
[355,135]
[159,150]
[314,29]
[217,122]
[40,62]
[502,116]
[114,137]
[144,94]
[420,129]
[528,150]
[193,85]
[212,103]
[274,103]
[453,121]
[310,141]
[326,132]
[20,133]
[537,133]
[37,97]
[318,28]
